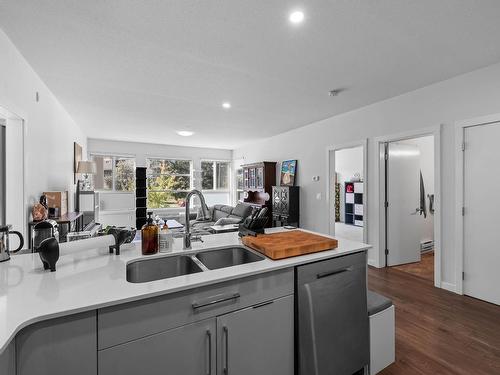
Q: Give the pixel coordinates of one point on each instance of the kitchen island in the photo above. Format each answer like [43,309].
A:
[86,318]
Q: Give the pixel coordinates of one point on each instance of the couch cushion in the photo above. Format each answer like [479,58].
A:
[229,220]
[220,211]
[242,210]
[234,217]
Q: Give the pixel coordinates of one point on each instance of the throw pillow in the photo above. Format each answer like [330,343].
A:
[228,220]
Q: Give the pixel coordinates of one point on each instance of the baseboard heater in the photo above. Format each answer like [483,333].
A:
[426,246]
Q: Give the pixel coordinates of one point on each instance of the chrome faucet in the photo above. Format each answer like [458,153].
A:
[187,227]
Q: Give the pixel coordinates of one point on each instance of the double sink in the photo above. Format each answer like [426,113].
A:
[144,270]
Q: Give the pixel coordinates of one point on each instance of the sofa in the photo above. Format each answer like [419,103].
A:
[222,214]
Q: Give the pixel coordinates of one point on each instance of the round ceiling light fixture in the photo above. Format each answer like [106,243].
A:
[226,105]
[296,17]
[185,133]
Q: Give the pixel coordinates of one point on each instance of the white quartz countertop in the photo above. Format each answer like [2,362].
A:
[88,279]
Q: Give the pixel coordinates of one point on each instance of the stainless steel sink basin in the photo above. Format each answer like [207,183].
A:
[145,270]
[227,257]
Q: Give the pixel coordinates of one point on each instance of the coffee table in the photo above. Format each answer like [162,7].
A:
[224,228]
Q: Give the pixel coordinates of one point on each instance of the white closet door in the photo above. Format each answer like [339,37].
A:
[403,190]
[482,207]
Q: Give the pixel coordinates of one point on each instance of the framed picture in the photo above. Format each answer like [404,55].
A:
[77,156]
[288,171]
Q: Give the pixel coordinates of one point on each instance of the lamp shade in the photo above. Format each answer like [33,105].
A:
[86,167]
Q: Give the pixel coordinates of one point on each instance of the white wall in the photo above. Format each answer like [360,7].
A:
[426,148]
[470,95]
[49,131]
[348,162]
[141,151]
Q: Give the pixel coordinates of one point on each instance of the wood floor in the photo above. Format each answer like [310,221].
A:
[438,332]
[424,268]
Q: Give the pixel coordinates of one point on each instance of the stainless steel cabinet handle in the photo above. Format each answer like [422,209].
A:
[331,273]
[215,299]
[226,362]
[209,361]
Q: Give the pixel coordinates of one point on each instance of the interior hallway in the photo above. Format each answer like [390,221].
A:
[423,269]
[438,332]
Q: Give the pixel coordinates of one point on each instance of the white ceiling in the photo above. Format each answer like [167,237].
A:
[140,70]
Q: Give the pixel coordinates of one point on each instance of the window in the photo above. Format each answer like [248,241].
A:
[215,175]
[239,184]
[169,181]
[215,181]
[114,173]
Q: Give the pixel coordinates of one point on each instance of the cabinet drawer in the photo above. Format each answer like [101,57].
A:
[349,197]
[186,350]
[122,323]
[358,187]
[358,209]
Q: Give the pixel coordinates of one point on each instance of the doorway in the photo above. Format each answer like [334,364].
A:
[409,205]
[12,193]
[2,172]
[347,191]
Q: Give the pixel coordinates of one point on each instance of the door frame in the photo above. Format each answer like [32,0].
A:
[379,155]
[460,147]
[11,119]
[330,162]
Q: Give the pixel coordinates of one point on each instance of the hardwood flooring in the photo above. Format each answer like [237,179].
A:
[424,268]
[438,332]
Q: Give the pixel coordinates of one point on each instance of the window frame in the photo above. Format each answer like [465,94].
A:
[214,169]
[190,175]
[113,170]
[236,189]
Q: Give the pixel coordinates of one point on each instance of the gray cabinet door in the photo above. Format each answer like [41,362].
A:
[59,346]
[257,340]
[8,360]
[187,350]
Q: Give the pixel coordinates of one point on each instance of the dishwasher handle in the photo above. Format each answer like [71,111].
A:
[332,273]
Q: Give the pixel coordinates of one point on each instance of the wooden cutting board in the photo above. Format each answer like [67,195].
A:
[289,244]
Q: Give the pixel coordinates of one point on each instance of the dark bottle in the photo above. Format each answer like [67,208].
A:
[149,234]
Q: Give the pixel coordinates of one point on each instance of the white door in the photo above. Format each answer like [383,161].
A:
[482,206]
[403,194]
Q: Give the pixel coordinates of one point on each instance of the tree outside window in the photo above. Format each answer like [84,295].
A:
[169,182]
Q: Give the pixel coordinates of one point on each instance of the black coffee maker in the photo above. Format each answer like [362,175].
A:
[43,230]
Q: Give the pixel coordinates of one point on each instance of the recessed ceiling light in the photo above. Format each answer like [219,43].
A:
[296,17]
[226,105]
[185,133]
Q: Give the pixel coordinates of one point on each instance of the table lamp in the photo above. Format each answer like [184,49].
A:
[86,168]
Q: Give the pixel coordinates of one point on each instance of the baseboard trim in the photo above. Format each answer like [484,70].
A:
[449,286]
[372,263]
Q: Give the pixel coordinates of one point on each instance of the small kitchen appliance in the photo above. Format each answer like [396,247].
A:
[43,230]
[4,242]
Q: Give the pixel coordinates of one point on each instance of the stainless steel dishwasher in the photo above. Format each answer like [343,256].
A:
[332,317]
